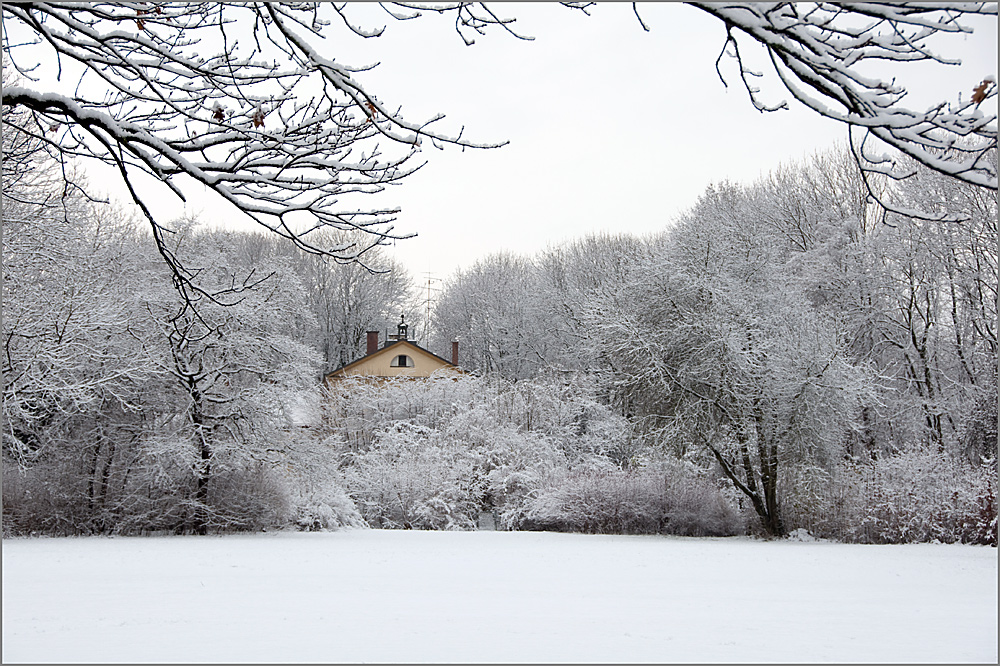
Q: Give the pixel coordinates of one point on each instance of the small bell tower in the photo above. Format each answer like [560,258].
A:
[401,330]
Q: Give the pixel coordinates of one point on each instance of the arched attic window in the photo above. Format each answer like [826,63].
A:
[401,361]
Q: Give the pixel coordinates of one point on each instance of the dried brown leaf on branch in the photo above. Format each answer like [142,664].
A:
[979,92]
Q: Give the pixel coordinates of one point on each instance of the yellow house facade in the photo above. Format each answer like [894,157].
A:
[399,357]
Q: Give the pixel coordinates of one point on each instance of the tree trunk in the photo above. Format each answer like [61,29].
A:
[769,480]
[200,521]
[765,505]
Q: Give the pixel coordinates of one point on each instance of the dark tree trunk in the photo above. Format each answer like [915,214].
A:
[769,481]
[763,496]
[201,489]
[201,433]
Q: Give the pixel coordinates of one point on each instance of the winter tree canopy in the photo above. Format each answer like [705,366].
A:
[240,98]
[250,101]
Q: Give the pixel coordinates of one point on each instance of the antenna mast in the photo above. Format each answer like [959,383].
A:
[430,279]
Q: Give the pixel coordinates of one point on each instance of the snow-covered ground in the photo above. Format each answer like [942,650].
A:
[380,596]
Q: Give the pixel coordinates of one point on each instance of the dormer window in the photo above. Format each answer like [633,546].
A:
[402,361]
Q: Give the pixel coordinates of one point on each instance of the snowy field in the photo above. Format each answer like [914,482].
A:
[379,596]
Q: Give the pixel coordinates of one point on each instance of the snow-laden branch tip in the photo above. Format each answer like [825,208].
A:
[815,50]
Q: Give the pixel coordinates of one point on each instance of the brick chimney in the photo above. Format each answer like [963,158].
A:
[372,342]
[454,352]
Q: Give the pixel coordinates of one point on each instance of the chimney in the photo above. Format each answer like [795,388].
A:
[454,352]
[372,342]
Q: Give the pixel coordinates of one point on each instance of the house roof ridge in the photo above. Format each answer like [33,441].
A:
[387,345]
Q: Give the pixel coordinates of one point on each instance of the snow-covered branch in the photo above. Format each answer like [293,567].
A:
[237,97]
[818,51]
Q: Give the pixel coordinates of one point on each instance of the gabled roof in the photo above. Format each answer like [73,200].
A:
[392,348]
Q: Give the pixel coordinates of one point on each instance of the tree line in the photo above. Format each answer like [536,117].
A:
[816,350]
[786,355]
[130,405]
[794,336]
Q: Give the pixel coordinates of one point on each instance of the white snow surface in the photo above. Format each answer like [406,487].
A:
[392,596]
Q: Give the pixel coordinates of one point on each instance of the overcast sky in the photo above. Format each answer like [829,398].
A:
[610,128]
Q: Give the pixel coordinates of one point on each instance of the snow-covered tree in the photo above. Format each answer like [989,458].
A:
[713,346]
[238,375]
[125,409]
[491,309]
[74,371]
[568,276]
[348,299]
[65,314]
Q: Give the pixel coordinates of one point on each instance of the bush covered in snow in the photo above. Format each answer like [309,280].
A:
[667,499]
[542,454]
[918,497]
[413,479]
[906,498]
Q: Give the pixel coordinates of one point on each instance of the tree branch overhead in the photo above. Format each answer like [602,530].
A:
[236,97]
[816,49]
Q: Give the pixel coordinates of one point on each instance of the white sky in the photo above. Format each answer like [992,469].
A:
[610,128]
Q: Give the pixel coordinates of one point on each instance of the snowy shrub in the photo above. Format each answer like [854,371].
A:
[510,463]
[31,506]
[907,498]
[326,509]
[411,479]
[819,500]
[358,409]
[318,498]
[918,497]
[670,499]
[253,498]
[436,454]
[62,494]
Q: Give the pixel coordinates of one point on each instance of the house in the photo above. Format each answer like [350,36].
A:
[398,357]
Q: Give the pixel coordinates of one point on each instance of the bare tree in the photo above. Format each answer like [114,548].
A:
[819,50]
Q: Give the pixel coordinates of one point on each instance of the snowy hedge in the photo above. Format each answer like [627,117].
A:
[672,499]
[411,479]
